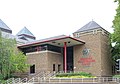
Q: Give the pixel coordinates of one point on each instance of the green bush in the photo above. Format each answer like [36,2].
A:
[116,76]
[74,74]
[1,76]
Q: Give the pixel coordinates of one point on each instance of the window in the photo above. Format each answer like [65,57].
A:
[32,69]
[54,48]
[42,48]
[59,67]
[53,67]
[77,35]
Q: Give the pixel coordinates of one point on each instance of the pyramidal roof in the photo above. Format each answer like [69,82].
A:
[89,26]
[3,25]
[25,31]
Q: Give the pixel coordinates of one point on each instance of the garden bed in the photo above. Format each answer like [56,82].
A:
[75,75]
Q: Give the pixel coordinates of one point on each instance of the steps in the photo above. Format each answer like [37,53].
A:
[47,78]
[41,77]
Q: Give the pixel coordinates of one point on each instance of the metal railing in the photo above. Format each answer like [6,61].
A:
[62,80]
[40,77]
[48,77]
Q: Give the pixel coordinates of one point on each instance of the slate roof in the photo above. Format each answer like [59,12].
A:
[89,26]
[4,26]
[25,31]
[26,38]
[51,38]
[46,39]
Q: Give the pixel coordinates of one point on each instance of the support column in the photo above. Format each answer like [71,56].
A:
[65,57]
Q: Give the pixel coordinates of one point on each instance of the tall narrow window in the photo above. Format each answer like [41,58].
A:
[53,67]
[32,69]
[59,67]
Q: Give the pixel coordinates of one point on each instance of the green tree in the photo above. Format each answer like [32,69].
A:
[11,59]
[116,34]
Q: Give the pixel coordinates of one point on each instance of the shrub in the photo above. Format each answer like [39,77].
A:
[74,74]
[116,76]
[1,76]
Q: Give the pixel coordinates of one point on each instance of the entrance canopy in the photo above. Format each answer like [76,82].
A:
[56,41]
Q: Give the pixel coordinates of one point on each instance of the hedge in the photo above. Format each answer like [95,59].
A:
[74,74]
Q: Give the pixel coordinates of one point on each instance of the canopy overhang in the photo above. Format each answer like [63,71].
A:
[70,41]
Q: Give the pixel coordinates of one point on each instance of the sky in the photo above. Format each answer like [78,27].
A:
[47,18]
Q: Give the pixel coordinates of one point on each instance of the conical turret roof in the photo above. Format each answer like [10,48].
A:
[89,26]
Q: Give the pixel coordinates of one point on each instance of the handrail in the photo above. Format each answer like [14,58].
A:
[48,77]
[83,80]
[42,76]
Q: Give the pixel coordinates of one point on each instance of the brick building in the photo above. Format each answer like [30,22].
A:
[87,51]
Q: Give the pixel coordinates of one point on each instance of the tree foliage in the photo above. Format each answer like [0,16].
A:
[116,34]
[11,59]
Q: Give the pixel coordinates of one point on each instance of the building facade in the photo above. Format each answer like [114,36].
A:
[87,51]
[94,56]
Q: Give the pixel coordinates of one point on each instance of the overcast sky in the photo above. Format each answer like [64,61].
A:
[47,18]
